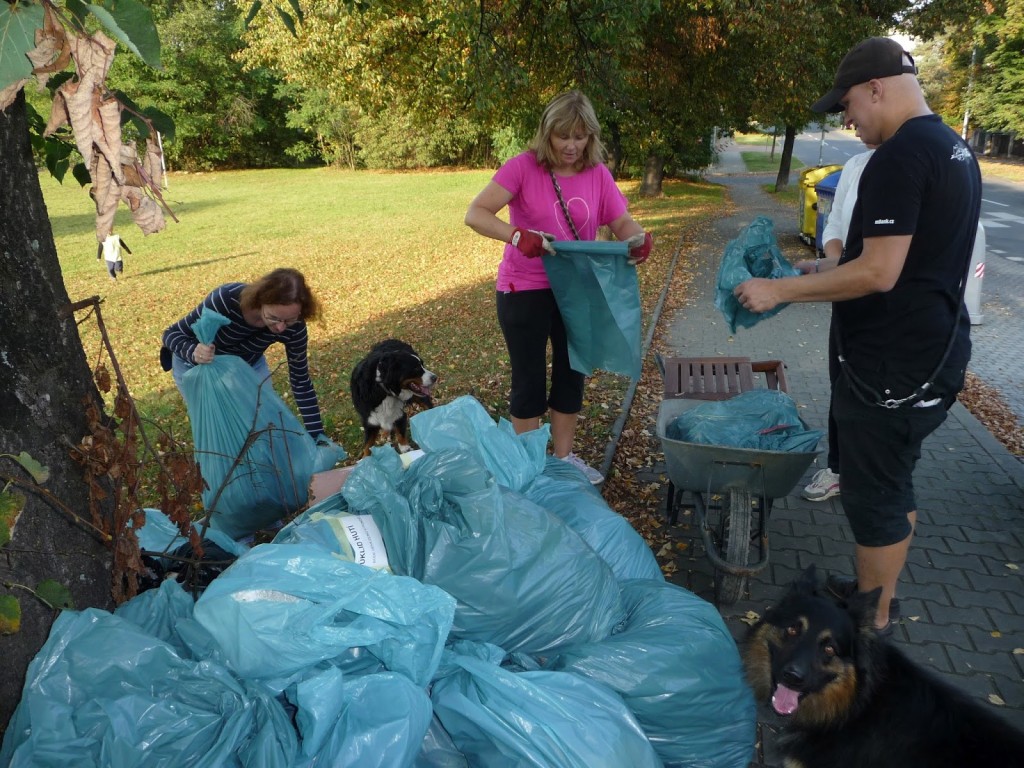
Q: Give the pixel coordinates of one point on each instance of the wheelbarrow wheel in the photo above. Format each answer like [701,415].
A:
[734,536]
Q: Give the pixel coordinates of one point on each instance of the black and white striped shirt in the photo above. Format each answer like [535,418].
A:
[242,340]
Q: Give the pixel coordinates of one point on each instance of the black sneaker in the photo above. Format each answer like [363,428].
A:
[842,587]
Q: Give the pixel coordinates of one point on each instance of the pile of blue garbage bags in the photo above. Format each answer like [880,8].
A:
[482,606]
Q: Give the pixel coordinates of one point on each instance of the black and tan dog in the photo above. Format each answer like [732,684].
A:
[382,385]
[856,701]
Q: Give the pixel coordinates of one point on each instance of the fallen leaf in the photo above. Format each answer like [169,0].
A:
[997,700]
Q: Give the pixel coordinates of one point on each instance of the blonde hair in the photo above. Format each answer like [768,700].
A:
[566,114]
[282,286]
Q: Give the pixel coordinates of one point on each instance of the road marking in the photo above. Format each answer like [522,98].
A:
[993,202]
[993,224]
[1007,217]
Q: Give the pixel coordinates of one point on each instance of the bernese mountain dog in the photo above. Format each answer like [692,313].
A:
[382,385]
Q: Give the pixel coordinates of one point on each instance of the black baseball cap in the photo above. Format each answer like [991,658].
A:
[873,58]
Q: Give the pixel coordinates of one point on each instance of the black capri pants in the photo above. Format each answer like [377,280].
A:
[528,319]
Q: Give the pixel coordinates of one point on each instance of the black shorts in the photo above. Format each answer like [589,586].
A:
[878,449]
[528,320]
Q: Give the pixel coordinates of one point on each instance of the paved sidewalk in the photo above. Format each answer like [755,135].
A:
[962,592]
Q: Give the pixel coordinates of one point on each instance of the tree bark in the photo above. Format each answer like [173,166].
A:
[786,161]
[654,173]
[44,379]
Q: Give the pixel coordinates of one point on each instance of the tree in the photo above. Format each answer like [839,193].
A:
[997,102]
[55,534]
[224,115]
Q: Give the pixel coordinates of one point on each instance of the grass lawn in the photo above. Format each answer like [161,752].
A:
[387,254]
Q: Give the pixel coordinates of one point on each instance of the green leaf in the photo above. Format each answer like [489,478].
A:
[39,473]
[10,615]
[131,23]
[253,10]
[81,174]
[161,121]
[57,158]
[288,21]
[55,593]
[79,10]
[18,25]
[11,505]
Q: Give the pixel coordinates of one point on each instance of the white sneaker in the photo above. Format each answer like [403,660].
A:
[595,477]
[824,485]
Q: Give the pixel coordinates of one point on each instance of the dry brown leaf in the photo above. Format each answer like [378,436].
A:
[108,135]
[8,94]
[148,215]
[152,163]
[58,114]
[106,194]
[78,101]
[52,52]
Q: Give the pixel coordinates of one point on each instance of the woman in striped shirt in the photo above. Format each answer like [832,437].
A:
[274,308]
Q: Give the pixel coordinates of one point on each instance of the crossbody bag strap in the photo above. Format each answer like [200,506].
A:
[565,208]
[871,396]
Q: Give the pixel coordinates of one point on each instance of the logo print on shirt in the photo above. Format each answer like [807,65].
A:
[885,221]
[961,153]
[580,212]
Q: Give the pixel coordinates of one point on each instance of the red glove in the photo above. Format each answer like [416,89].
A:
[531,244]
[638,253]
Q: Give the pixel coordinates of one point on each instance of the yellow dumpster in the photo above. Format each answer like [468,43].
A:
[807,207]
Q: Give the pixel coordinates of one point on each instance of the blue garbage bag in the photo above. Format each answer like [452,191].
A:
[504,719]
[564,492]
[678,670]
[369,721]
[103,692]
[522,578]
[438,750]
[281,609]
[464,424]
[599,298]
[755,253]
[159,534]
[759,419]
[330,525]
[227,402]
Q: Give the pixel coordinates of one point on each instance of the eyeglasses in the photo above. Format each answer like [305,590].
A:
[271,320]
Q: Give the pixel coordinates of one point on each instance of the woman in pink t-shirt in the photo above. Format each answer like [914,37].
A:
[559,189]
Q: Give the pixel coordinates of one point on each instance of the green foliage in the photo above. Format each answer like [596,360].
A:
[54,594]
[131,23]
[223,116]
[394,141]
[998,97]
[18,25]
[11,506]
[10,615]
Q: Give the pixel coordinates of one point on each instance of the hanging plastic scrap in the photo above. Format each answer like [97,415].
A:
[755,253]
[599,299]
[677,668]
[501,718]
[760,419]
[227,403]
[523,579]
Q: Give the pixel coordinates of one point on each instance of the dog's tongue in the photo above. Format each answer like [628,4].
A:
[785,700]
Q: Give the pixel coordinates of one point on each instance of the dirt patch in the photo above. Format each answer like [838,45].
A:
[989,407]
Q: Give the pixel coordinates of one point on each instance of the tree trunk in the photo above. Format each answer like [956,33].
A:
[654,172]
[614,146]
[44,378]
[782,180]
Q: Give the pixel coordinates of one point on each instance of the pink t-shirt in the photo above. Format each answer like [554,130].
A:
[593,200]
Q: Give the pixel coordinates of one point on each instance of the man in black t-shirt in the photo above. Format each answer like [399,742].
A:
[897,298]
